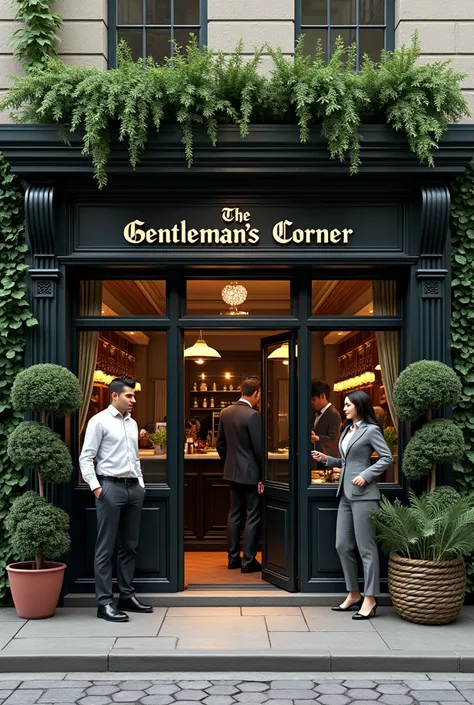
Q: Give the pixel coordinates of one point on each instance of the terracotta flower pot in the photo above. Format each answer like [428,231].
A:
[35,592]
[427,592]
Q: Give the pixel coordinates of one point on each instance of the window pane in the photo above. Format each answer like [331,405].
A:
[186,12]
[278,410]
[133,37]
[343,12]
[313,12]
[158,43]
[371,12]
[158,12]
[354,298]
[183,36]
[142,356]
[123,298]
[345,361]
[130,12]
[349,36]
[311,37]
[371,42]
[254,298]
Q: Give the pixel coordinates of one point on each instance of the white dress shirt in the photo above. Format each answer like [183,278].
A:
[347,437]
[316,421]
[112,441]
[246,401]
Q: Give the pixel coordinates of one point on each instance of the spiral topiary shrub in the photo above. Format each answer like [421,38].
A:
[420,388]
[37,528]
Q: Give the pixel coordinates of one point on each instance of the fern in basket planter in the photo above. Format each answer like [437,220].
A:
[427,540]
[158,438]
[38,529]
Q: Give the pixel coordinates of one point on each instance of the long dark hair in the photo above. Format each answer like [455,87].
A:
[363,405]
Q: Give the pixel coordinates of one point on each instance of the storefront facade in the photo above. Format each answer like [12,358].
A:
[267,210]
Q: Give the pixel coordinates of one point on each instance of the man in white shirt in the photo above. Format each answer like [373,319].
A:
[111,442]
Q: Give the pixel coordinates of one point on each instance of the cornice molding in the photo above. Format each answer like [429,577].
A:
[37,150]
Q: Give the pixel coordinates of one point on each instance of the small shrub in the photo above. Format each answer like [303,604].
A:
[424,385]
[440,441]
[33,445]
[38,527]
[49,388]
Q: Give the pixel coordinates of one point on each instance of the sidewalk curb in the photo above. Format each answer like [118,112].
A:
[260,661]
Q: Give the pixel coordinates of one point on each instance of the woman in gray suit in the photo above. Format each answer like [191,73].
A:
[359,496]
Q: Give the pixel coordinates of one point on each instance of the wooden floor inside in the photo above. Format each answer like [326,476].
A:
[210,568]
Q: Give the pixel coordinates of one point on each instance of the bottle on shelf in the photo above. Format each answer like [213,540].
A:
[190,446]
[204,403]
[214,387]
[212,401]
[195,403]
[203,387]
[225,387]
[195,387]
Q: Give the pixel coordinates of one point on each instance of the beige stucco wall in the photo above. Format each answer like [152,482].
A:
[446,31]
[256,22]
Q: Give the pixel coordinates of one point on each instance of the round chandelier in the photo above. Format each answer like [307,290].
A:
[234,294]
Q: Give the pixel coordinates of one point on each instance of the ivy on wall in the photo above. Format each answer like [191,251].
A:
[202,88]
[462,326]
[36,39]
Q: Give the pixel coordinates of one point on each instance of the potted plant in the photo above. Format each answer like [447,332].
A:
[391,436]
[39,530]
[429,538]
[158,438]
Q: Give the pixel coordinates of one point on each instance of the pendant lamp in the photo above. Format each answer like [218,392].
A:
[282,353]
[200,351]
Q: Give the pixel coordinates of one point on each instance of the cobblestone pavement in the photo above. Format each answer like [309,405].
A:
[230,689]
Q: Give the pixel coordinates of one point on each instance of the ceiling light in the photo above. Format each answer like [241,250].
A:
[199,362]
[234,294]
[227,375]
[371,310]
[377,367]
[201,351]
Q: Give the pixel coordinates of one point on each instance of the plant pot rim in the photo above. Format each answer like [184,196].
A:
[396,558]
[52,567]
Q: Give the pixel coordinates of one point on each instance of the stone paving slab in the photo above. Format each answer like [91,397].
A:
[82,622]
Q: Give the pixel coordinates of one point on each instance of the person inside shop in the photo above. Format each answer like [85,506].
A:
[110,464]
[144,436]
[240,445]
[326,420]
[358,497]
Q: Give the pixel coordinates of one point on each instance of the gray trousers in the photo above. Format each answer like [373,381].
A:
[118,519]
[355,531]
[245,506]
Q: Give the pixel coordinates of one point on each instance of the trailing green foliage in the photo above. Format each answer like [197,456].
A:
[462,328]
[47,387]
[38,529]
[438,442]
[204,88]
[14,316]
[429,528]
[37,37]
[423,385]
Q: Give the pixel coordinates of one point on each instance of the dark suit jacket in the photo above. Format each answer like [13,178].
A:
[239,443]
[327,429]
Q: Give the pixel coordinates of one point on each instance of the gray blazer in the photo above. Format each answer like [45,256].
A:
[366,439]
[240,443]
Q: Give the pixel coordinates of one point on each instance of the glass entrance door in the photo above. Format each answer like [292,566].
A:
[278,406]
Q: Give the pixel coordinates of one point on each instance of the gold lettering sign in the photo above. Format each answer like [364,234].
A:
[240,232]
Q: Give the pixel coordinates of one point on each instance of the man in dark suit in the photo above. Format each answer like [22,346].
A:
[239,444]
[327,420]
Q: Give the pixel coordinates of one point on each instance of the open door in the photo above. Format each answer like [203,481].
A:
[278,408]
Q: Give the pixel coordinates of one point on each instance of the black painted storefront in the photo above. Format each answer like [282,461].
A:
[397,210]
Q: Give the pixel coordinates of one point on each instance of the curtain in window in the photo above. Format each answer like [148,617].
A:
[90,305]
[160,400]
[385,304]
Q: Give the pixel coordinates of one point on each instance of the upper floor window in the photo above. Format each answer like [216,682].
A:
[150,26]
[368,23]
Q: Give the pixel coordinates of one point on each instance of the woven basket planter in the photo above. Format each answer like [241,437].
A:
[427,592]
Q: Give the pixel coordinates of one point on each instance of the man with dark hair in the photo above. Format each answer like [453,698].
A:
[327,420]
[111,441]
[239,444]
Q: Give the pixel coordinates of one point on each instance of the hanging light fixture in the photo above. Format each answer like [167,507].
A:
[283,353]
[200,351]
[234,294]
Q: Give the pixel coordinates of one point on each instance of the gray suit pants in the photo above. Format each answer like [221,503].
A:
[118,519]
[355,530]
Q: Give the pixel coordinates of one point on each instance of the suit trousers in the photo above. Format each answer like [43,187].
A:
[355,530]
[118,510]
[245,505]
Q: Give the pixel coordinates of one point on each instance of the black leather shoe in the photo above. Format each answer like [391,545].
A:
[234,564]
[253,567]
[131,604]
[111,614]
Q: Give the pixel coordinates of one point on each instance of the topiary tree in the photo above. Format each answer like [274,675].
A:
[420,388]
[37,528]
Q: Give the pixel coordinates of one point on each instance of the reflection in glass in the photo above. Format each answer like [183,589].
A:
[371,12]
[158,44]
[129,12]
[278,410]
[133,37]
[343,12]
[141,356]
[186,12]
[344,361]
[313,12]
[371,42]
[158,12]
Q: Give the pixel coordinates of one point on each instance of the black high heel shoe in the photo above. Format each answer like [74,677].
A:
[371,614]
[357,604]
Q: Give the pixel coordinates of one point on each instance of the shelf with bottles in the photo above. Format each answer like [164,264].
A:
[214,391]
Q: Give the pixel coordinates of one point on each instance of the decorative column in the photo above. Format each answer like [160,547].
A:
[43,272]
[432,275]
